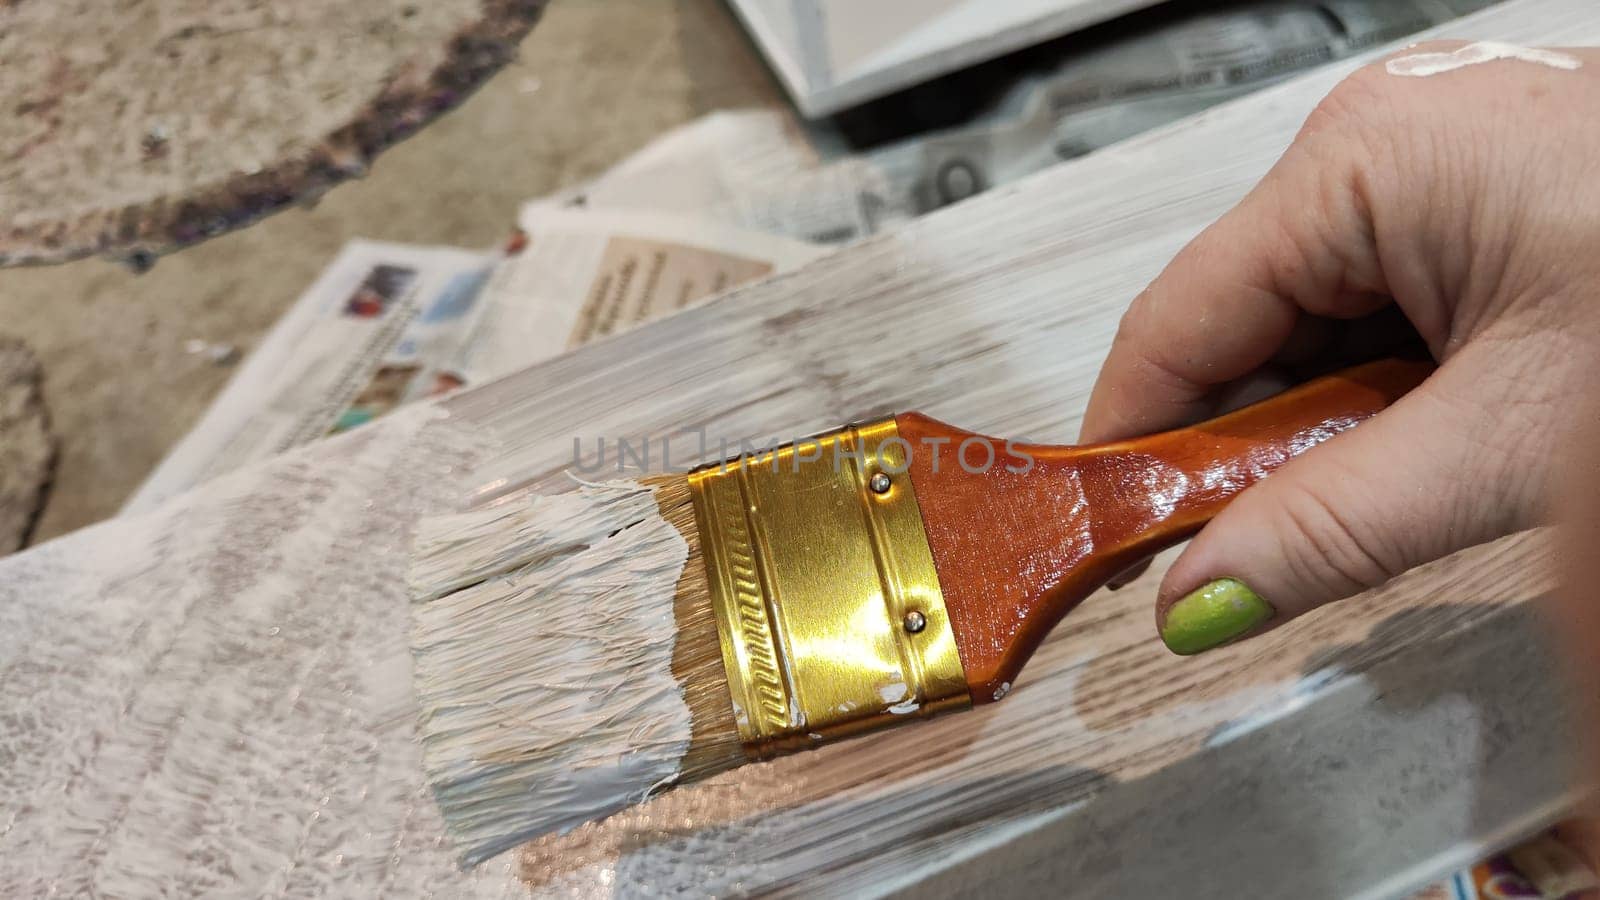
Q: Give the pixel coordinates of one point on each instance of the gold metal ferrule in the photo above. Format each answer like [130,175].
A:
[827,603]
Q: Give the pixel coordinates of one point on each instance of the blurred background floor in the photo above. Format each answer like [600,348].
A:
[595,81]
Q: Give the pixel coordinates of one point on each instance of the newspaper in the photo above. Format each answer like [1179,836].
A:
[764,170]
[386,324]
[377,308]
[580,275]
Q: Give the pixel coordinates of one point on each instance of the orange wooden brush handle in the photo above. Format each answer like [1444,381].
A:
[1020,539]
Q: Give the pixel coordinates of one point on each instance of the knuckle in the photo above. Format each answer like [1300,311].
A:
[1358,112]
[1131,328]
[1324,549]
[1344,106]
[1142,336]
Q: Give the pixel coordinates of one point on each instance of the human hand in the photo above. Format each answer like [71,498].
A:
[1461,209]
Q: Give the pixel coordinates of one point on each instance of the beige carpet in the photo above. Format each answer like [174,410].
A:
[596,79]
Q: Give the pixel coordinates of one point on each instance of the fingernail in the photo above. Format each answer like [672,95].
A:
[1222,611]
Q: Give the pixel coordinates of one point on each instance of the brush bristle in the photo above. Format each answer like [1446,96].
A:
[567,660]
[697,657]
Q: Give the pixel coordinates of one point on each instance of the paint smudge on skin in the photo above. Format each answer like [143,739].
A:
[1422,65]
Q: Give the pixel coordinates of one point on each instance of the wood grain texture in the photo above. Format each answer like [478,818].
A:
[1435,718]
[1023,533]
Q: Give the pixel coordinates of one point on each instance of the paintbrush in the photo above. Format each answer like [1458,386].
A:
[579,652]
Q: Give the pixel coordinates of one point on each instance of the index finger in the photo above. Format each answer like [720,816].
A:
[1298,244]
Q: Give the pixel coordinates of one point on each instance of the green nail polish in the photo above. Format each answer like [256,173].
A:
[1219,612]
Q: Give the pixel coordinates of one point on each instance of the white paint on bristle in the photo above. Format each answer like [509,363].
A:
[547,694]
[1422,65]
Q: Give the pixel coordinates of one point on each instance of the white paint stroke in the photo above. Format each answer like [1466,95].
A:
[547,694]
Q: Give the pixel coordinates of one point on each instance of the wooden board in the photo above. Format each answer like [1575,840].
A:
[216,693]
[134,129]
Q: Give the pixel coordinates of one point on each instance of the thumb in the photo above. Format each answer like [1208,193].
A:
[1408,486]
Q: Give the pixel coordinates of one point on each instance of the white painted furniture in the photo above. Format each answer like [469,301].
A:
[832,54]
